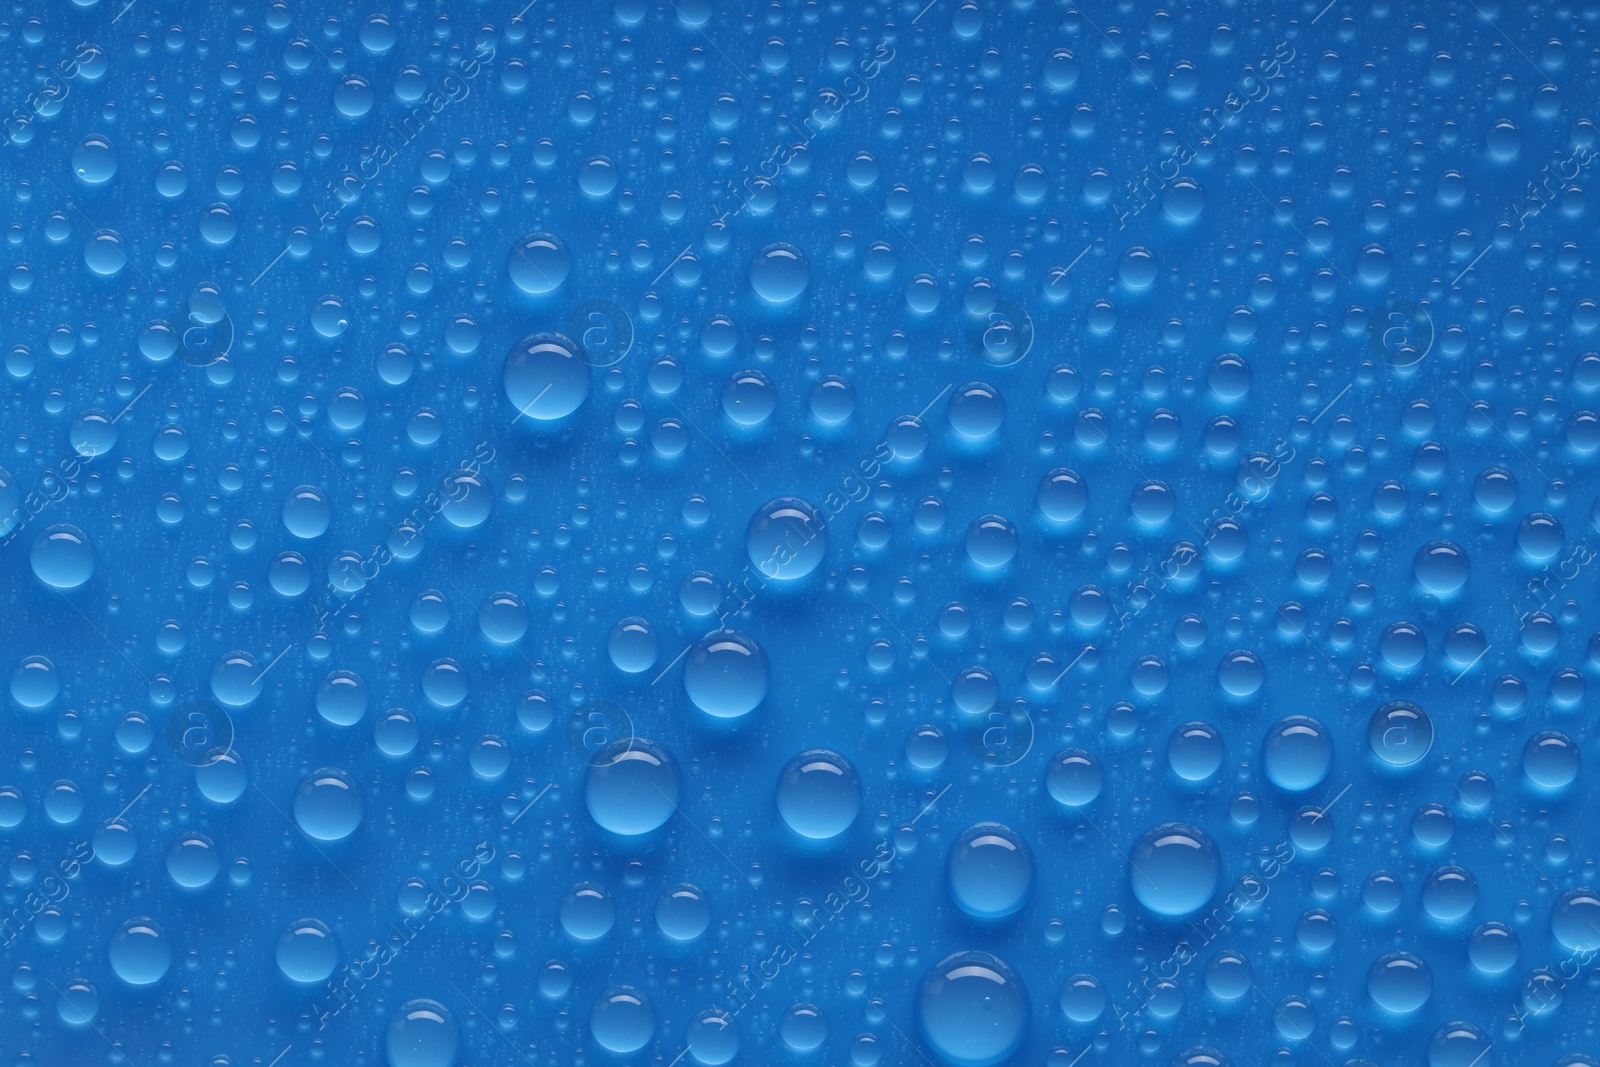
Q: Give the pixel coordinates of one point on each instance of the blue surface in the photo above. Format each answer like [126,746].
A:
[663,533]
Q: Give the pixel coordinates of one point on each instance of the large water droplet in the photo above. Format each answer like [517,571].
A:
[1400,733]
[307,951]
[140,952]
[588,912]
[1441,567]
[306,512]
[1075,778]
[632,787]
[1399,982]
[422,1033]
[989,871]
[94,160]
[819,794]
[726,674]
[622,1020]
[62,557]
[539,263]
[779,273]
[973,1010]
[991,541]
[545,379]
[328,805]
[1550,760]
[682,912]
[236,679]
[1174,869]
[1575,919]
[786,538]
[1297,753]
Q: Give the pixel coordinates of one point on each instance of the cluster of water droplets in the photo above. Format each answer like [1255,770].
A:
[870,554]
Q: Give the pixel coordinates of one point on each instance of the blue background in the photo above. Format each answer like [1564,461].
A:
[1323,234]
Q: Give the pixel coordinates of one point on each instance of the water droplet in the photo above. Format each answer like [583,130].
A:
[819,794]
[103,253]
[1174,869]
[1399,982]
[786,538]
[1241,673]
[1460,1044]
[422,1033]
[35,683]
[989,871]
[236,679]
[353,96]
[1449,893]
[306,512]
[1441,567]
[1400,733]
[976,411]
[587,911]
[726,674]
[62,557]
[633,646]
[973,1010]
[1083,998]
[328,805]
[991,541]
[1228,975]
[307,951]
[328,315]
[682,912]
[1550,760]
[1195,751]
[713,1038]
[1494,948]
[622,1020]
[78,1004]
[223,780]
[1297,753]
[1075,778]
[545,378]
[779,273]
[539,263]
[94,160]
[1062,495]
[1575,919]
[632,787]
[342,698]
[193,861]
[749,398]
[140,952]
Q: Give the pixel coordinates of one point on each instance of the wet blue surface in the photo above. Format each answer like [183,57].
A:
[823,534]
